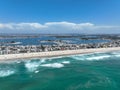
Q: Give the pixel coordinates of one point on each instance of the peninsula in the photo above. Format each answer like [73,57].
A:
[55,53]
[58,47]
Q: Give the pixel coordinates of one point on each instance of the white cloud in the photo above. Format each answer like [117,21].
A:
[22,26]
[57,27]
[68,25]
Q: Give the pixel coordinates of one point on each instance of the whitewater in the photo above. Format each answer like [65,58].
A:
[93,71]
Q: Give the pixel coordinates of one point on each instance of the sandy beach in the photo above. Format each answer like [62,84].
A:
[55,53]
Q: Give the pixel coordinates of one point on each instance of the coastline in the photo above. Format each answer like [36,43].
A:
[55,53]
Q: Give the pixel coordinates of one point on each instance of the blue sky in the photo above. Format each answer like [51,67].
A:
[21,15]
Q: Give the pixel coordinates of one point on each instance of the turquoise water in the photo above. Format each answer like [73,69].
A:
[95,71]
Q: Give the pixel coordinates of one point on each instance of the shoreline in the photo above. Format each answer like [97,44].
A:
[55,53]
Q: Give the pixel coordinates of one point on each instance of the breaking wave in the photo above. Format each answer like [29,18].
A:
[66,62]
[53,65]
[77,57]
[98,57]
[32,66]
[43,60]
[116,54]
[5,73]
[90,57]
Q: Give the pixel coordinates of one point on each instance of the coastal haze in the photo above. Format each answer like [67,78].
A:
[59,45]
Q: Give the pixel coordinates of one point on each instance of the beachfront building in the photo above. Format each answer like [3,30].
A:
[16,49]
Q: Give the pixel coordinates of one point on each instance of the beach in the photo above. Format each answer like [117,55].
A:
[55,53]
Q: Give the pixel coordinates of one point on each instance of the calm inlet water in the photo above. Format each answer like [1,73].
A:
[95,71]
[36,41]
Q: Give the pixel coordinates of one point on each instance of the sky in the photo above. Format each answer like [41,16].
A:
[60,16]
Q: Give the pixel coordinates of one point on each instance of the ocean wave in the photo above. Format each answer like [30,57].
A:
[114,53]
[78,57]
[66,62]
[117,55]
[43,60]
[32,66]
[5,73]
[53,65]
[36,71]
[57,57]
[98,57]
[83,56]
[90,56]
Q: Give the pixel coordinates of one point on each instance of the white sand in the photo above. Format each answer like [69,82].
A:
[55,53]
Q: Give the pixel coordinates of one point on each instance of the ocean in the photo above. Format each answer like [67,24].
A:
[94,71]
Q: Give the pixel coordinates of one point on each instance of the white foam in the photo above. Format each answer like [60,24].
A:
[5,73]
[32,66]
[36,71]
[66,62]
[53,65]
[18,61]
[115,52]
[42,60]
[78,57]
[98,57]
[91,56]
[117,55]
